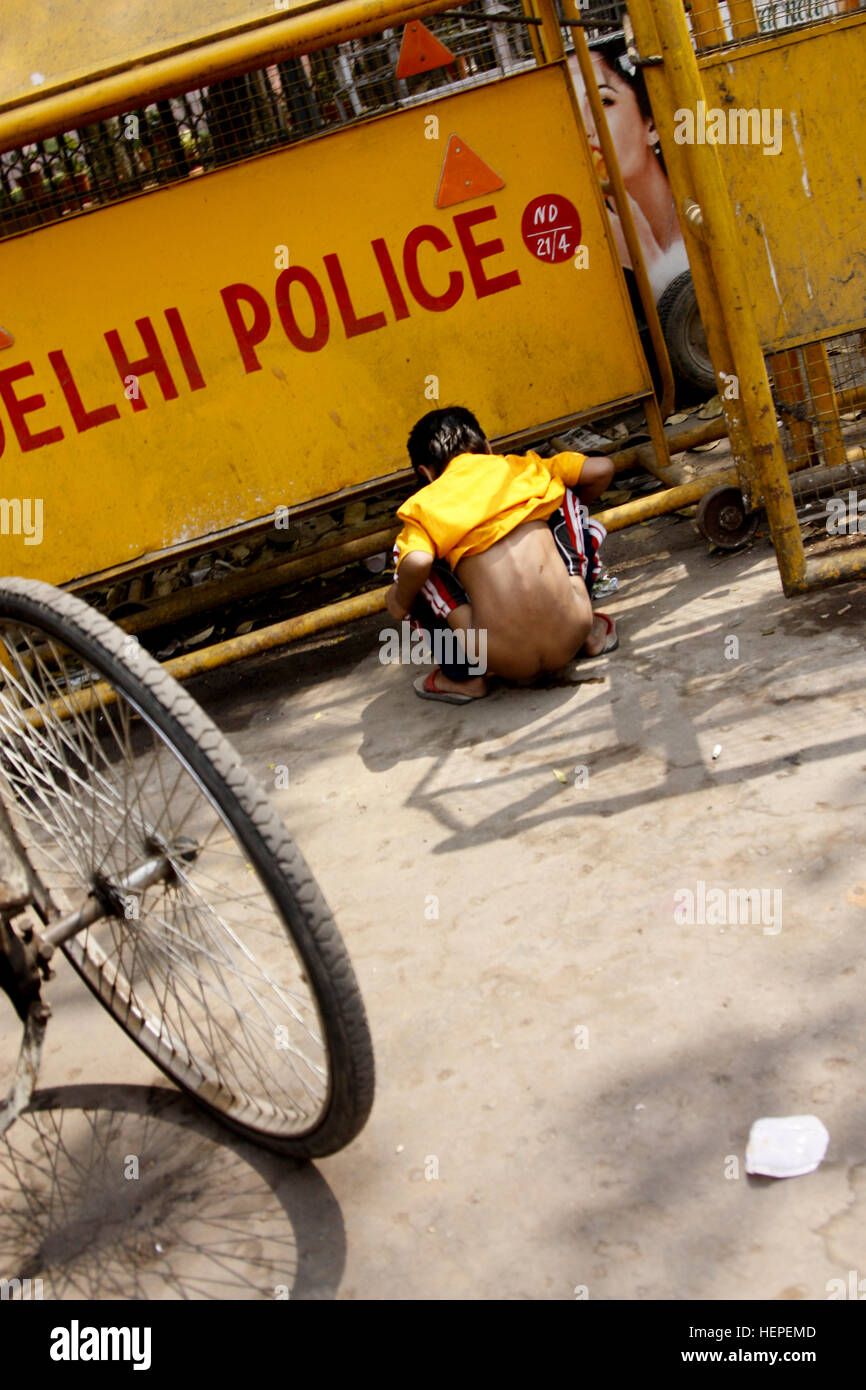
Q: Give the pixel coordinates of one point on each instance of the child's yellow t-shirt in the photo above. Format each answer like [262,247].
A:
[479,499]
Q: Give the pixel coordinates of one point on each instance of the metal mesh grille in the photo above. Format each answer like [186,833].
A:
[603,15]
[719,24]
[230,120]
[820,395]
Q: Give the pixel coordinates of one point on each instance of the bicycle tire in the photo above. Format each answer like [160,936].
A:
[192,738]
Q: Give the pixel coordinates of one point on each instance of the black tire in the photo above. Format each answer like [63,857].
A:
[684,334]
[322,962]
[722,518]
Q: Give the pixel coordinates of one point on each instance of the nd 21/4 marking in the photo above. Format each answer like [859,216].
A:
[550,228]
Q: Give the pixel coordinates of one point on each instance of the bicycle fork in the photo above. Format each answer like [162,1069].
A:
[25,952]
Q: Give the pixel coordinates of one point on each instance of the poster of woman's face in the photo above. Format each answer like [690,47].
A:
[629,117]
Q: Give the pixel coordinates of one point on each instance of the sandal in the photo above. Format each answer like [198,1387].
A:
[611,641]
[426,688]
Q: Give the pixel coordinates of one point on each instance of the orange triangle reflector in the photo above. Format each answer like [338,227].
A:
[420,51]
[464,175]
[6,339]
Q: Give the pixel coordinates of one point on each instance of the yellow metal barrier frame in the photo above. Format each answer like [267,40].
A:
[661,31]
[167,74]
[305,31]
[623,206]
[263,405]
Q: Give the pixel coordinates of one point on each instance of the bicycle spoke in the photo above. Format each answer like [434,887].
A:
[199,967]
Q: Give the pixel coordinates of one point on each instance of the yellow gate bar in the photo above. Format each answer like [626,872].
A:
[97,696]
[755,408]
[657,338]
[707,24]
[206,597]
[824,399]
[825,570]
[791,390]
[62,43]
[743,21]
[31,118]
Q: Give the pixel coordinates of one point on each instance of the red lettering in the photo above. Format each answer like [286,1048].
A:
[352,324]
[81,418]
[475,253]
[154,362]
[439,240]
[389,275]
[282,294]
[184,350]
[245,337]
[17,409]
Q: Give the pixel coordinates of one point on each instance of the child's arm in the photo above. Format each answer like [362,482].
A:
[411,577]
[415,555]
[588,475]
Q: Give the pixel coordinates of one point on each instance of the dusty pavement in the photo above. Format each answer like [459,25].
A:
[567,1073]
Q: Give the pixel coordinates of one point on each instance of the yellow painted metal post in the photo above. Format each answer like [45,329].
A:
[659,503]
[832,569]
[707,24]
[684,435]
[824,399]
[743,21]
[533,30]
[691,222]
[235,649]
[206,597]
[755,407]
[549,32]
[791,390]
[587,72]
[656,427]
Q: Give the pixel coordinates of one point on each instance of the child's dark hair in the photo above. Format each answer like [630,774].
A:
[438,437]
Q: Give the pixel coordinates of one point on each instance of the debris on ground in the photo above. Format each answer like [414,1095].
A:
[786,1146]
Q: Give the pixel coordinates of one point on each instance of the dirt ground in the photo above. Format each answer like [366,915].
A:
[567,1071]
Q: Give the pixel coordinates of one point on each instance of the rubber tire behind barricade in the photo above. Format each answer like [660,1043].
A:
[679,315]
[284,873]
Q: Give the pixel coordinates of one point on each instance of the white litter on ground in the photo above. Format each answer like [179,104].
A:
[786,1146]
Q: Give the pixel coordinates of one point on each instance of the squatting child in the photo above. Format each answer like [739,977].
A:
[501,544]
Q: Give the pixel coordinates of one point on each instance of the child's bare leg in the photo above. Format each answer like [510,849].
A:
[460,620]
[598,633]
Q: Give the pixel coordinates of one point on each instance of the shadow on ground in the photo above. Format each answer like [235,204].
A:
[130,1192]
[653,698]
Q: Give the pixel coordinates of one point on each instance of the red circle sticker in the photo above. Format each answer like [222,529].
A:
[551,228]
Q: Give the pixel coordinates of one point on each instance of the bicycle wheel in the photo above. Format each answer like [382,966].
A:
[228,969]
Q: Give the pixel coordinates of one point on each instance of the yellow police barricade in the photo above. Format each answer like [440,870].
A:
[243,253]
[762,121]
